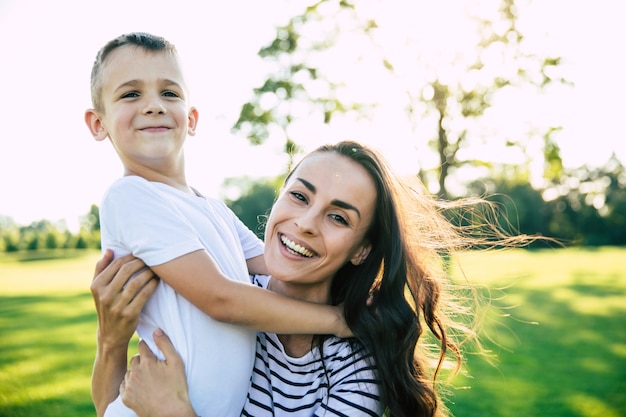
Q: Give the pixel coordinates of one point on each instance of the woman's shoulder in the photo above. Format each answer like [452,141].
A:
[260,280]
[347,347]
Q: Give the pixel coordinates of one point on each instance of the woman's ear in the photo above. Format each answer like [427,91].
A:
[94,124]
[361,254]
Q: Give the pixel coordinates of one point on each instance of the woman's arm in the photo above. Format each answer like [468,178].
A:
[118,309]
[197,277]
[155,388]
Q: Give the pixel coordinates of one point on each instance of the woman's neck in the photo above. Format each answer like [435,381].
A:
[314,293]
[298,345]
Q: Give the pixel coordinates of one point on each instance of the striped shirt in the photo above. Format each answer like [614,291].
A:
[342,384]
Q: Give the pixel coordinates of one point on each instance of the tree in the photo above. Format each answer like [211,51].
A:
[297,89]
[498,62]
[447,87]
[585,206]
[251,200]
[9,234]
[590,203]
[91,220]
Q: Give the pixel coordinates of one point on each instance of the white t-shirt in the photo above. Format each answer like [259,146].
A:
[158,223]
[342,384]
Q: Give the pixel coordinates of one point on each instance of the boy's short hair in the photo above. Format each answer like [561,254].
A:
[143,40]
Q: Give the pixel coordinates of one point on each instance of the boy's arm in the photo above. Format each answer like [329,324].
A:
[197,277]
[256,266]
[118,309]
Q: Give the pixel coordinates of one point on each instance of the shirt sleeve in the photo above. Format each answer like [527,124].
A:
[250,242]
[353,389]
[135,218]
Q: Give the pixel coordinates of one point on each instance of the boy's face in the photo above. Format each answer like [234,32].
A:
[144,109]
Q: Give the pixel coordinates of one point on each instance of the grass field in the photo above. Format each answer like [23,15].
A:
[561,351]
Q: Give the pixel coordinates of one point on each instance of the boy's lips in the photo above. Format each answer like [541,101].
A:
[155,129]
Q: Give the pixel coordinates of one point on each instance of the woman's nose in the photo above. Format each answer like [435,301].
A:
[306,223]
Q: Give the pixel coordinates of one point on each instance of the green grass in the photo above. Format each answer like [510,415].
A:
[47,334]
[559,336]
[561,349]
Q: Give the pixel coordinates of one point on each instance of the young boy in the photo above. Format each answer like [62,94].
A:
[196,245]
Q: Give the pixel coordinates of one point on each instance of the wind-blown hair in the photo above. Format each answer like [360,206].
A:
[145,41]
[405,273]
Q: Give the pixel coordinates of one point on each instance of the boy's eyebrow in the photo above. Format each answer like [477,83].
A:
[131,83]
[135,83]
[335,202]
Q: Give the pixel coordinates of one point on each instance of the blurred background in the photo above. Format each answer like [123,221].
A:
[519,97]
[518,101]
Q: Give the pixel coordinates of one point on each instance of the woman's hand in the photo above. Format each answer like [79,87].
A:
[119,301]
[118,298]
[155,388]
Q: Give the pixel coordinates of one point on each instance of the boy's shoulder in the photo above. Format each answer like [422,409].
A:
[127,184]
[128,179]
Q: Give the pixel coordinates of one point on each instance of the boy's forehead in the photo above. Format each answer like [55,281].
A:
[133,62]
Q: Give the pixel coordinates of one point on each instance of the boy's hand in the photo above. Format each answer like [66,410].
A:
[156,388]
[343,331]
[119,299]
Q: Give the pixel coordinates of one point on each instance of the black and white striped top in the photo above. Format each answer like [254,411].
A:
[343,384]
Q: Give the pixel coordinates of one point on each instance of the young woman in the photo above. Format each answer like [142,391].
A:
[344,230]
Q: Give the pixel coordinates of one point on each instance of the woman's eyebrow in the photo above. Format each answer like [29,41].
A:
[308,185]
[338,203]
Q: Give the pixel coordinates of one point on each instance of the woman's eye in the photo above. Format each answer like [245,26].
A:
[298,196]
[339,219]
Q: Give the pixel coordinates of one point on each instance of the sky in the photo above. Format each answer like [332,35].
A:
[51,168]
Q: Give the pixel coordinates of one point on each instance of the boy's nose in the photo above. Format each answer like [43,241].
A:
[154,106]
[155,110]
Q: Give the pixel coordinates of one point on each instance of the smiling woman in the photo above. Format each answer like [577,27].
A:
[333,209]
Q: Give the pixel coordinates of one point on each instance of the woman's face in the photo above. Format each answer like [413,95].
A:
[318,224]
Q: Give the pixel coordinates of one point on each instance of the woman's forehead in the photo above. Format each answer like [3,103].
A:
[330,169]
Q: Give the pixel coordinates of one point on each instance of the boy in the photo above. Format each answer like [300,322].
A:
[196,245]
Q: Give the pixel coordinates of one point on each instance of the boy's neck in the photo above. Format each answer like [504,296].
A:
[178,182]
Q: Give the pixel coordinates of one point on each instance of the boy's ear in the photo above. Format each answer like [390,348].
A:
[361,254]
[94,123]
[192,121]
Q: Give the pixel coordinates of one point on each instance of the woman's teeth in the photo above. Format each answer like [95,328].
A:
[295,248]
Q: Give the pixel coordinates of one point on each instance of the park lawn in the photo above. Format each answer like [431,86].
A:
[561,350]
[558,333]
[48,334]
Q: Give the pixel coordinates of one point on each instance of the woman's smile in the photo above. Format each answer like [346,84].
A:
[295,248]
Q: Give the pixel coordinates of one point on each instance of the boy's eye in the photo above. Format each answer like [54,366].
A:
[170,94]
[130,94]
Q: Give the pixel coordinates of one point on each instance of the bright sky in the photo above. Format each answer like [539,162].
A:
[51,168]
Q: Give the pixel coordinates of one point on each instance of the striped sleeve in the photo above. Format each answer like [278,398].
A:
[353,389]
